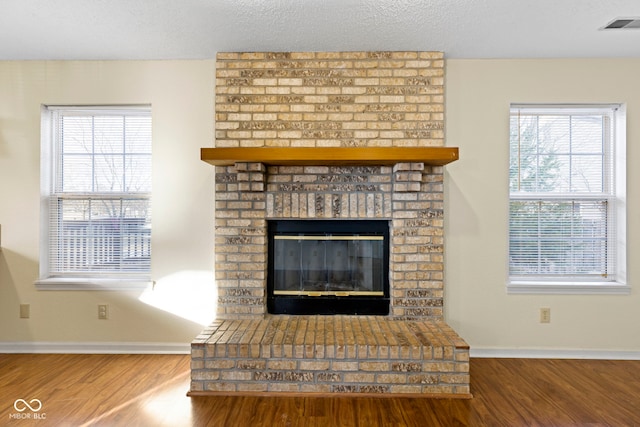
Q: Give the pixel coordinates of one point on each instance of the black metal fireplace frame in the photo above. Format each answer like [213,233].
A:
[330,304]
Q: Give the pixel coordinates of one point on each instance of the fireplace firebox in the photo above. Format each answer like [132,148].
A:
[328,267]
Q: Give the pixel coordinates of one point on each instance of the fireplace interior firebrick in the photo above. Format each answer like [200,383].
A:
[328,267]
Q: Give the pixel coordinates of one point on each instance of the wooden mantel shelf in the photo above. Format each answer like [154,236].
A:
[330,156]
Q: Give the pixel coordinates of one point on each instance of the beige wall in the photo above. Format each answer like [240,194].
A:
[477,110]
[478,94]
[181,95]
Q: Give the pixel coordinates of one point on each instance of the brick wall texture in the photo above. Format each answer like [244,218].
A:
[334,99]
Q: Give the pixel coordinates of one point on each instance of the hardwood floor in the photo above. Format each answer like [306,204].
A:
[150,390]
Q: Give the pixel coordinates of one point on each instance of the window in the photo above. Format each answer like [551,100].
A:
[566,207]
[96,186]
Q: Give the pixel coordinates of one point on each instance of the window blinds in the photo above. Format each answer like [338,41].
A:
[99,208]
[562,198]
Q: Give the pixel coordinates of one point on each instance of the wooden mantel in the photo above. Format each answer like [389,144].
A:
[332,156]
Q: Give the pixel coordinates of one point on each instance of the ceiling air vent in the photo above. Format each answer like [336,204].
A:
[623,23]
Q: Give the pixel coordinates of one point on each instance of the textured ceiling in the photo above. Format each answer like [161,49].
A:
[197,29]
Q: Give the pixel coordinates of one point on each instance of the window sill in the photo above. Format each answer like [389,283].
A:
[568,288]
[91,284]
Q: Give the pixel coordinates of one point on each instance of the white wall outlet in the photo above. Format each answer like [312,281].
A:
[103,311]
[545,315]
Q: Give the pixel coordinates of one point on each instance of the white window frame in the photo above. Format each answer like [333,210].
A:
[617,233]
[49,158]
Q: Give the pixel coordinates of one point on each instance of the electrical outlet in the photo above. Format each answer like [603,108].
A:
[103,311]
[25,311]
[545,315]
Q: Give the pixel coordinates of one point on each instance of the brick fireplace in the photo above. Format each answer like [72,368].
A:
[362,100]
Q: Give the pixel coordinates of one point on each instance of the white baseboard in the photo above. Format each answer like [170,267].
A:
[94,347]
[182,348]
[553,354]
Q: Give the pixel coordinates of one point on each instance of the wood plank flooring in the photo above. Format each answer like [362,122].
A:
[150,390]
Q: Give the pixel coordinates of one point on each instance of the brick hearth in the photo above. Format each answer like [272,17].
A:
[329,354]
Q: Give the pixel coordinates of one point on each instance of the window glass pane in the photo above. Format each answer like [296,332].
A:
[73,210]
[514,155]
[76,134]
[138,134]
[106,209]
[524,153]
[109,171]
[138,209]
[77,173]
[553,134]
[137,176]
[109,134]
[587,134]
[553,173]
[587,174]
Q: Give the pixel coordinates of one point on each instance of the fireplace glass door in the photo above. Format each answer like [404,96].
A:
[328,266]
